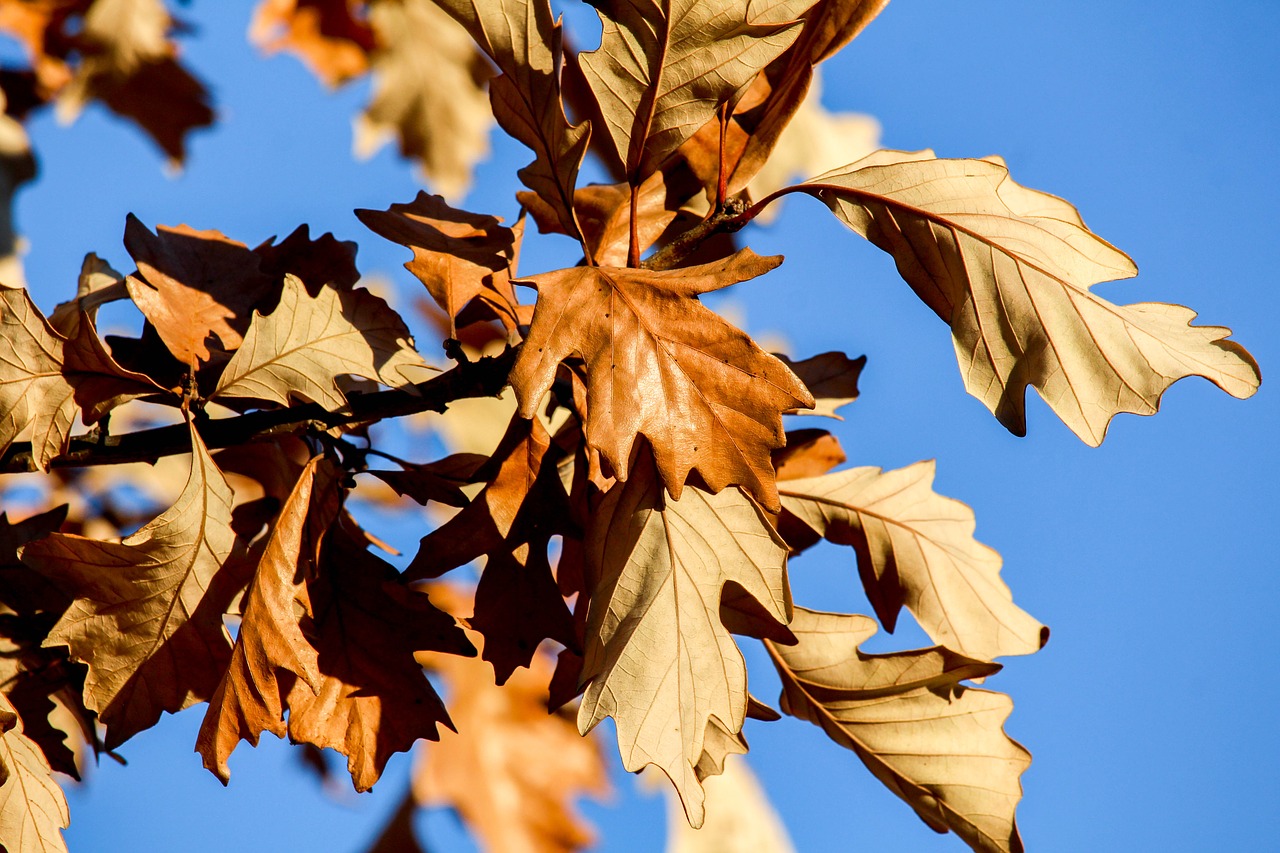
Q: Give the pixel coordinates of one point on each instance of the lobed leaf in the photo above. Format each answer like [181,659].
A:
[33,808]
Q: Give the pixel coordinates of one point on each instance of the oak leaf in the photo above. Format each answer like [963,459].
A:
[303,346]
[661,365]
[1009,269]
[916,549]
[33,808]
[147,614]
[664,68]
[935,743]
[658,659]
[326,34]
[271,648]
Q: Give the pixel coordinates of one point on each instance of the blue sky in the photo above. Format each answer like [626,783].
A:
[1150,714]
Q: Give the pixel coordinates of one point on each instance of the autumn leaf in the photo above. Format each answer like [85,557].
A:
[97,285]
[325,261]
[459,256]
[663,69]
[935,743]
[46,379]
[17,167]
[661,365]
[147,614]
[740,818]
[303,346]
[373,699]
[271,648]
[1010,269]
[524,42]
[658,659]
[326,34]
[809,453]
[33,809]
[832,379]
[916,548]
[440,481]
[428,91]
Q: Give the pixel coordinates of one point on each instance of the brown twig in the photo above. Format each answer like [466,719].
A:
[730,217]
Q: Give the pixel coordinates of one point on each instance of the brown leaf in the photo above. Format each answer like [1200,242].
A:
[938,745]
[271,649]
[511,770]
[192,284]
[147,615]
[46,379]
[17,166]
[658,658]
[438,481]
[373,699]
[916,548]
[1010,269]
[323,262]
[98,284]
[326,35]
[809,453]
[663,69]
[459,256]
[130,65]
[33,809]
[303,346]
[523,40]
[661,365]
[428,91]
[831,377]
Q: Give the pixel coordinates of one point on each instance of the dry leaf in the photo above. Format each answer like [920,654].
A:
[831,377]
[916,548]
[740,818]
[1010,269]
[524,42]
[327,35]
[938,745]
[428,90]
[663,69]
[303,346]
[33,809]
[98,284]
[661,365]
[271,648]
[440,481]
[323,262]
[147,615]
[17,167]
[658,658]
[809,453]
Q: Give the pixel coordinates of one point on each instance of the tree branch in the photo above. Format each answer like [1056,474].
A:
[483,378]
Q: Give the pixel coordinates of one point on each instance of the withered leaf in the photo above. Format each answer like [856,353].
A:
[831,377]
[511,770]
[938,745]
[46,379]
[33,810]
[523,40]
[303,346]
[518,605]
[459,256]
[663,69]
[271,648]
[17,167]
[661,365]
[147,615]
[428,90]
[325,261]
[325,34]
[97,285]
[809,453]
[1010,269]
[916,548]
[194,284]
[658,658]
[373,699]
[740,818]
[438,481]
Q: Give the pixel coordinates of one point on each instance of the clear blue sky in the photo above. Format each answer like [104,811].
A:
[1151,713]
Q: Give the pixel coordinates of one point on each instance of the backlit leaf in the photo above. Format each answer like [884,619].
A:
[33,809]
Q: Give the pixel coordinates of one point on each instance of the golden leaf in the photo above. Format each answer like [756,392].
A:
[33,809]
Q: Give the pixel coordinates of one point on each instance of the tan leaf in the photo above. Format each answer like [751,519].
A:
[831,377]
[428,91]
[373,698]
[98,284]
[46,379]
[306,343]
[658,658]
[661,365]
[511,770]
[809,453]
[271,648]
[192,284]
[664,68]
[523,40]
[130,65]
[325,34]
[740,818]
[147,615]
[33,809]
[459,256]
[1010,269]
[938,745]
[916,548]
